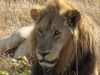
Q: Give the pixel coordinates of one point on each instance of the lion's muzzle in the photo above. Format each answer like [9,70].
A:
[47,59]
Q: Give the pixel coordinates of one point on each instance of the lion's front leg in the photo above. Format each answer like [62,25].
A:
[17,42]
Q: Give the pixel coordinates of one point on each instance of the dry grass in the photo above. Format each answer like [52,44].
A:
[6,65]
[16,13]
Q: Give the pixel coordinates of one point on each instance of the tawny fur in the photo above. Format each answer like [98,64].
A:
[85,36]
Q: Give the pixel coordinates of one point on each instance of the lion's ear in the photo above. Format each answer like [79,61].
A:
[73,18]
[36,13]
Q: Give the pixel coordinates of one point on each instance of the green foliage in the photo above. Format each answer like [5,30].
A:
[4,73]
[21,66]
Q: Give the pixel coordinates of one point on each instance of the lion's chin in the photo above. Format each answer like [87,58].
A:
[46,63]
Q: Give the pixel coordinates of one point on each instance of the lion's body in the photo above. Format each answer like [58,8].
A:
[17,43]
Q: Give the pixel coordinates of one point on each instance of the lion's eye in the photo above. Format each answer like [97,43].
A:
[57,34]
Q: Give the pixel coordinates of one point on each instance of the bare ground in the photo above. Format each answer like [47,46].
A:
[16,13]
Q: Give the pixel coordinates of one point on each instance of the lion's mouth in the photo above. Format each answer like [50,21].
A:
[50,62]
[46,63]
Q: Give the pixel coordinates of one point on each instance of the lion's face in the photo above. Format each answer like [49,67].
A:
[53,33]
[51,37]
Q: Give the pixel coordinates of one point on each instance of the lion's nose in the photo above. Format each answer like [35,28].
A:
[43,53]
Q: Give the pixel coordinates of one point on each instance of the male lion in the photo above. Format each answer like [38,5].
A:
[65,40]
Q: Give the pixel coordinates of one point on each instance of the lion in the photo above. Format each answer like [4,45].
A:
[65,40]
